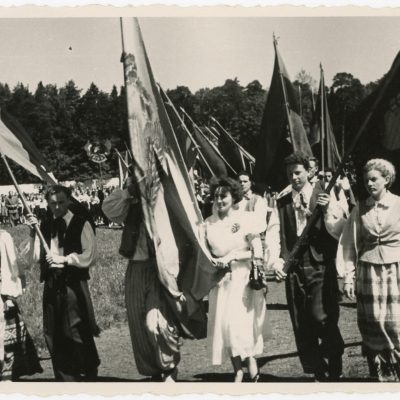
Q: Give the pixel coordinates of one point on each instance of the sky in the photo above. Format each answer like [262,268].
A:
[196,52]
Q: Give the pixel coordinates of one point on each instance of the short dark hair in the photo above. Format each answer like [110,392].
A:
[245,173]
[328,170]
[55,189]
[230,185]
[313,159]
[298,157]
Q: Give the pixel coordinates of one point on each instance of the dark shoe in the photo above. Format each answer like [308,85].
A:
[335,366]
[321,372]
[171,375]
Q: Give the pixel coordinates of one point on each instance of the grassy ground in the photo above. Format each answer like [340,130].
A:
[279,362]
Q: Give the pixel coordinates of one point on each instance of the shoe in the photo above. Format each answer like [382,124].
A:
[335,369]
[239,376]
[255,378]
[171,375]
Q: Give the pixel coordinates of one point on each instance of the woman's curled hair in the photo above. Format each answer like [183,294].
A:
[227,185]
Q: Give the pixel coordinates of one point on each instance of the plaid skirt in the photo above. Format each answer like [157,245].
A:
[378,312]
[20,357]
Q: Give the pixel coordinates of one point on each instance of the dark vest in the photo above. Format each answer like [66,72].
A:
[72,244]
[320,246]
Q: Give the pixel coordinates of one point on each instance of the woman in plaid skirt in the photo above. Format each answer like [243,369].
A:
[369,260]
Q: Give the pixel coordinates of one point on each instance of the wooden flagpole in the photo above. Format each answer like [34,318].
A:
[284,94]
[25,204]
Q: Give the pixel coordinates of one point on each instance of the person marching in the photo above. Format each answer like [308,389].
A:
[311,286]
[237,324]
[68,317]
[369,259]
[154,333]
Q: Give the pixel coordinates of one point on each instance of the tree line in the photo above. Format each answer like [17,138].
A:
[61,120]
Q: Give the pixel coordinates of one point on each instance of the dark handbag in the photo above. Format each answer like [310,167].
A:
[257,279]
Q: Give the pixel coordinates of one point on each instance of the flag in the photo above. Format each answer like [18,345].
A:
[169,205]
[16,144]
[188,148]
[281,130]
[211,158]
[233,152]
[321,138]
[381,109]
[124,167]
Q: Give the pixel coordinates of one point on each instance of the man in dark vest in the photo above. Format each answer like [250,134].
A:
[68,317]
[311,285]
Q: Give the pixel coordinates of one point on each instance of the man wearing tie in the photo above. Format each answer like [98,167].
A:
[68,317]
[311,285]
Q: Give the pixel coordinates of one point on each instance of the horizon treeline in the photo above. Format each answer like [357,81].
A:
[61,120]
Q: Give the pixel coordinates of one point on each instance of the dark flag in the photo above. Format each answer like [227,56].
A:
[382,136]
[188,148]
[321,138]
[231,152]
[281,131]
[211,159]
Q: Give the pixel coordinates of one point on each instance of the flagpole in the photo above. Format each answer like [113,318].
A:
[293,255]
[209,141]
[322,119]
[169,102]
[300,102]
[284,94]
[25,204]
[246,153]
[312,100]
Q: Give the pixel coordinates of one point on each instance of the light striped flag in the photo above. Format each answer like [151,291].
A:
[170,209]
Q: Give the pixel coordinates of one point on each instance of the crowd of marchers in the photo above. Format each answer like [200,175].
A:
[247,236]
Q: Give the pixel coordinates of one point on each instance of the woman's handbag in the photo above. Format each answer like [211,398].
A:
[257,279]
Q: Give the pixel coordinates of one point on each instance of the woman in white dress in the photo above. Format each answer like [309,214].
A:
[236,312]
[369,259]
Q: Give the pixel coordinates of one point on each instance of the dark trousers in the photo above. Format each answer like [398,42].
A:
[312,297]
[67,333]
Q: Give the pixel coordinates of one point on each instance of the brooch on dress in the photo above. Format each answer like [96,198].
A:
[235,227]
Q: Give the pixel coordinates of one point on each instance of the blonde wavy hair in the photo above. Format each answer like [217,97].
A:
[386,168]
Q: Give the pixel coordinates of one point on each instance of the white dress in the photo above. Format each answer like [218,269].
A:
[237,323]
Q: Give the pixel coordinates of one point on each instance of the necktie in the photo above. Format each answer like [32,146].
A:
[303,200]
[59,228]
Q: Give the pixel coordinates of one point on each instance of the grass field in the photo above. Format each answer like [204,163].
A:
[279,363]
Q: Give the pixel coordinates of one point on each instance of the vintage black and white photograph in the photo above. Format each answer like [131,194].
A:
[200,199]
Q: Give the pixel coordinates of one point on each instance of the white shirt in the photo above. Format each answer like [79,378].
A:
[300,212]
[88,241]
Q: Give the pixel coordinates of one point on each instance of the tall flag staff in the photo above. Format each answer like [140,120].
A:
[242,149]
[200,132]
[285,97]
[25,204]
[323,131]
[169,103]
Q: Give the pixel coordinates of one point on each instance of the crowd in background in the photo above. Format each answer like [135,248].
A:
[12,210]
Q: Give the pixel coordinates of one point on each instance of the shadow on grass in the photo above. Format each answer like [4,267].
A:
[99,379]
[348,305]
[228,377]
[276,307]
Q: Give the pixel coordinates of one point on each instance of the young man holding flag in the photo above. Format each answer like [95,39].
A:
[311,284]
